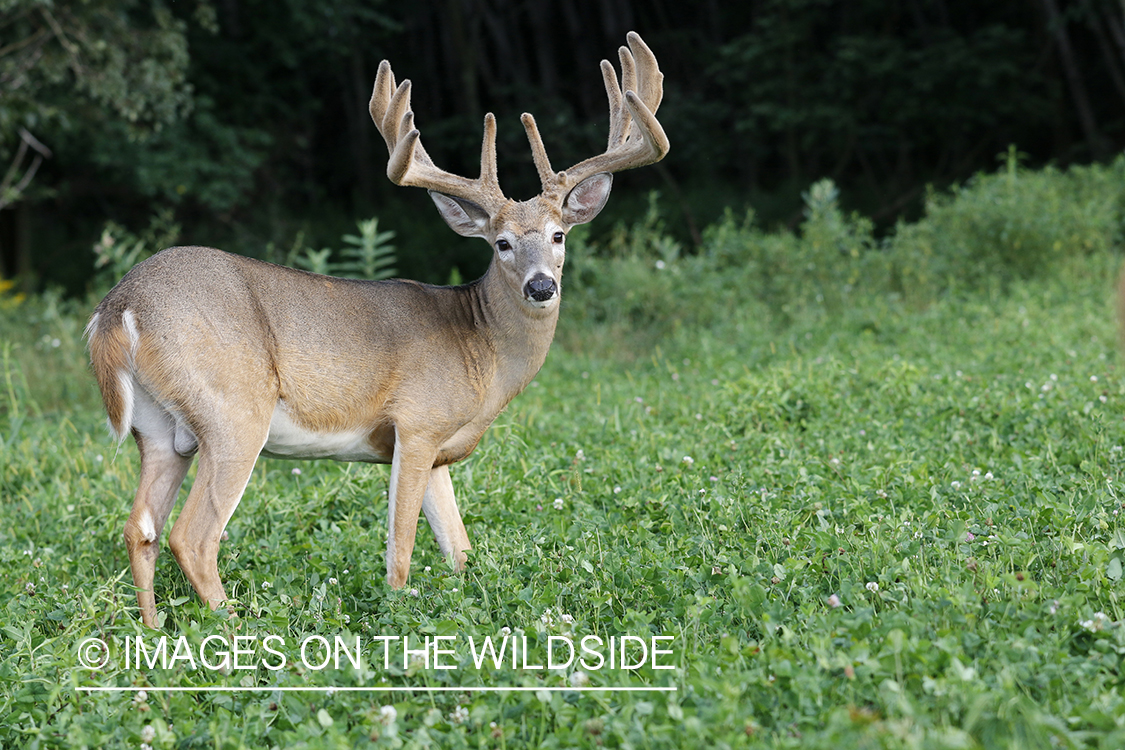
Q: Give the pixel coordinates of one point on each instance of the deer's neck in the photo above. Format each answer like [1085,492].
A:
[519,335]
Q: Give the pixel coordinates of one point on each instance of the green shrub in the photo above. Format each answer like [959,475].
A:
[1010,224]
[640,281]
[1016,223]
[368,255]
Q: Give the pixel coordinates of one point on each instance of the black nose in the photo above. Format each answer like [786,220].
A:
[541,288]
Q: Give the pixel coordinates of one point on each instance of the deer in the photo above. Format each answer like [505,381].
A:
[199,352]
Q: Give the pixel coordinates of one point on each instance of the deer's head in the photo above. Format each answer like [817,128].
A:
[528,238]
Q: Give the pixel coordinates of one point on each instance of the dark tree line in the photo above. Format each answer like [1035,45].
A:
[248,118]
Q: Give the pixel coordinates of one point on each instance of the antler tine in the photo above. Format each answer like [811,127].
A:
[635,135]
[650,81]
[628,69]
[488,172]
[538,151]
[381,97]
[618,116]
[410,165]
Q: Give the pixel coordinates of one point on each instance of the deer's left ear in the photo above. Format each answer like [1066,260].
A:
[587,199]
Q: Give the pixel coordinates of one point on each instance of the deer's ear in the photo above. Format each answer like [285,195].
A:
[463,217]
[587,199]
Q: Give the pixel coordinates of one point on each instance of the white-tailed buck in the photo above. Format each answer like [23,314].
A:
[200,351]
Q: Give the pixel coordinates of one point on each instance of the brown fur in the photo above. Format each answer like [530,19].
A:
[109,353]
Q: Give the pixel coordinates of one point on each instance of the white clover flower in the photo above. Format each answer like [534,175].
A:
[296,472]
[266,585]
[1097,623]
[834,601]
[505,630]
[148,733]
[427,569]
[579,456]
[688,461]
[1093,378]
[660,265]
[333,581]
[872,586]
[579,679]
[140,697]
[459,715]
[388,714]
[567,619]
[415,593]
[558,503]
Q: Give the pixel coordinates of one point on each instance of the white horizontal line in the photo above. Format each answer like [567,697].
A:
[384,689]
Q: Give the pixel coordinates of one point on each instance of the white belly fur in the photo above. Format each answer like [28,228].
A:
[287,439]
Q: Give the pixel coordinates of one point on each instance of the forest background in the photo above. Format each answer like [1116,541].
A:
[243,124]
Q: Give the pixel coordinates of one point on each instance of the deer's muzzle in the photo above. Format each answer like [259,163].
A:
[541,288]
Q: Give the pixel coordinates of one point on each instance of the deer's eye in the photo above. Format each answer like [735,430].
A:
[503,246]
[558,238]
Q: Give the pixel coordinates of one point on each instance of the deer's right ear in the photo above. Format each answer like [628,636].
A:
[463,217]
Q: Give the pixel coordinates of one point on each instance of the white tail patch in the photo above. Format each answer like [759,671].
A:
[129,323]
[125,381]
[126,387]
[91,327]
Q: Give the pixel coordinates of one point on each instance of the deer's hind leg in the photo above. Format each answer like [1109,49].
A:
[224,471]
[162,472]
[440,506]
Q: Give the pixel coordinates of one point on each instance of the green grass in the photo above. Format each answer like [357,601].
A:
[870,489]
[950,476]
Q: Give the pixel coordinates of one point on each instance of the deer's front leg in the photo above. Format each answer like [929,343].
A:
[440,506]
[410,474]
